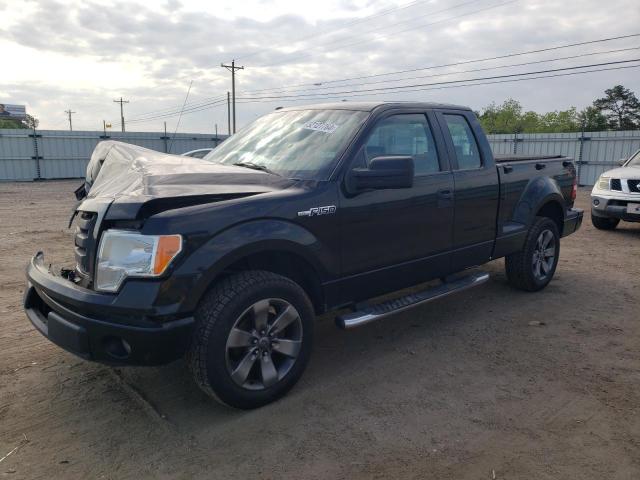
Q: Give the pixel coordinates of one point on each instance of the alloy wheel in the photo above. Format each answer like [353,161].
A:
[544,255]
[263,344]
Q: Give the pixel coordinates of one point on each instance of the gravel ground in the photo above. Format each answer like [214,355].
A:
[469,387]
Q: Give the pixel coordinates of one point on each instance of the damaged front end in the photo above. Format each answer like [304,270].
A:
[143,320]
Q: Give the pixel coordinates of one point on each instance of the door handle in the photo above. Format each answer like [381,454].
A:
[507,168]
[445,194]
[540,166]
[445,197]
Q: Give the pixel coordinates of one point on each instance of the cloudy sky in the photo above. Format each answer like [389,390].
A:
[61,54]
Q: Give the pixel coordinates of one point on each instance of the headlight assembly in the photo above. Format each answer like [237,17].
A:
[604,183]
[124,253]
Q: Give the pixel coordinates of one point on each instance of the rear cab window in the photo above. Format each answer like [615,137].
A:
[464,142]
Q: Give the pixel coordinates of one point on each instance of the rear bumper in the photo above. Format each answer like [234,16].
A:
[64,313]
[572,221]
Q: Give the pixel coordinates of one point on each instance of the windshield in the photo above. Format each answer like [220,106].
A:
[635,160]
[296,144]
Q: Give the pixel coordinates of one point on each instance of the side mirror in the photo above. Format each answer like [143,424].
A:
[622,161]
[383,173]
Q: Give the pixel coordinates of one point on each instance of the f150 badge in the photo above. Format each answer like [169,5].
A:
[315,211]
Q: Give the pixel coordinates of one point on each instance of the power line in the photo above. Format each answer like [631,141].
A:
[498,67]
[442,87]
[180,117]
[175,109]
[465,62]
[343,45]
[418,85]
[193,109]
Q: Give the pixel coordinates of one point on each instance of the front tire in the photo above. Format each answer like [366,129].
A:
[252,339]
[532,268]
[604,223]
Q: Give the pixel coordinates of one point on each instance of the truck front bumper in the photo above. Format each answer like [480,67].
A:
[614,206]
[98,326]
[572,221]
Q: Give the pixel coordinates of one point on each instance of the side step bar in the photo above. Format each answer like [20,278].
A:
[384,309]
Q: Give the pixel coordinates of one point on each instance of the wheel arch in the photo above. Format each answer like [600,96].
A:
[282,262]
[276,246]
[542,197]
[553,210]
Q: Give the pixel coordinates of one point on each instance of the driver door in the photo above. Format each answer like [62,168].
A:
[392,238]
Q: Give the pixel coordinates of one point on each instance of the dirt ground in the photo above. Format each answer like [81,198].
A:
[463,388]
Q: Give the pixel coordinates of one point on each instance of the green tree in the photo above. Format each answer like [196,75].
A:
[30,121]
[592,120]
[559,121]
[505,118]
[621,108]
[11,123]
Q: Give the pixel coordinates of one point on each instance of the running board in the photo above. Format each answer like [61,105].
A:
[384,309]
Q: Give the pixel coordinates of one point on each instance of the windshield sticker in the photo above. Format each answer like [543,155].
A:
[321,127]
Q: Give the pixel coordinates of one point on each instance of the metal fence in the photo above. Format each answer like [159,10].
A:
[593,152]
[41,154]
[45,154]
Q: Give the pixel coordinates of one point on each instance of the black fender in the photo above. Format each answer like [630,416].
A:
[538,193]
[197,272]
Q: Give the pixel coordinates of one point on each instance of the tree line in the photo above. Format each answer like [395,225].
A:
[619,109]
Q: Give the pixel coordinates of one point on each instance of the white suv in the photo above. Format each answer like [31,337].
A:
[616,195]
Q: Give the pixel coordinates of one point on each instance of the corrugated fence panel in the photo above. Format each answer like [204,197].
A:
[594,153]
[16,155]
[567,144]
[501,144]
[65,154]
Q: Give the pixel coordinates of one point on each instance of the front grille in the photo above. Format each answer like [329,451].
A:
[634,186]
[84,242]
[616,184]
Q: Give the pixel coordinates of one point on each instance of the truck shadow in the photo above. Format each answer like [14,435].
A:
[344,364]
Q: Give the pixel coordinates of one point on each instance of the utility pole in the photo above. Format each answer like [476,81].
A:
[228,115]
[165,138]
[69,112]
[121,102]
[232,68]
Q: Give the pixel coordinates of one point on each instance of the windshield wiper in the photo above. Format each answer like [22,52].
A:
[255,166]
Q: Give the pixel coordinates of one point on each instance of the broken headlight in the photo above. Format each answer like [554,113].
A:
[125,253]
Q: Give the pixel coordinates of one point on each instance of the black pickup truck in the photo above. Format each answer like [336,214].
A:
[227,259]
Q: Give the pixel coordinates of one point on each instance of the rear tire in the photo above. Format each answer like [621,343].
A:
[532,268]
[603,223]
[252,339]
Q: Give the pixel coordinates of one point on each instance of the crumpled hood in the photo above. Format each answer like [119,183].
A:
[128,177]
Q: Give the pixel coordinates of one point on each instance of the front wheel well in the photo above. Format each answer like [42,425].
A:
[288,265]
[553,210]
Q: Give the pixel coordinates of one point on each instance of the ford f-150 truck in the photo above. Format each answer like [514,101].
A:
[227,259]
